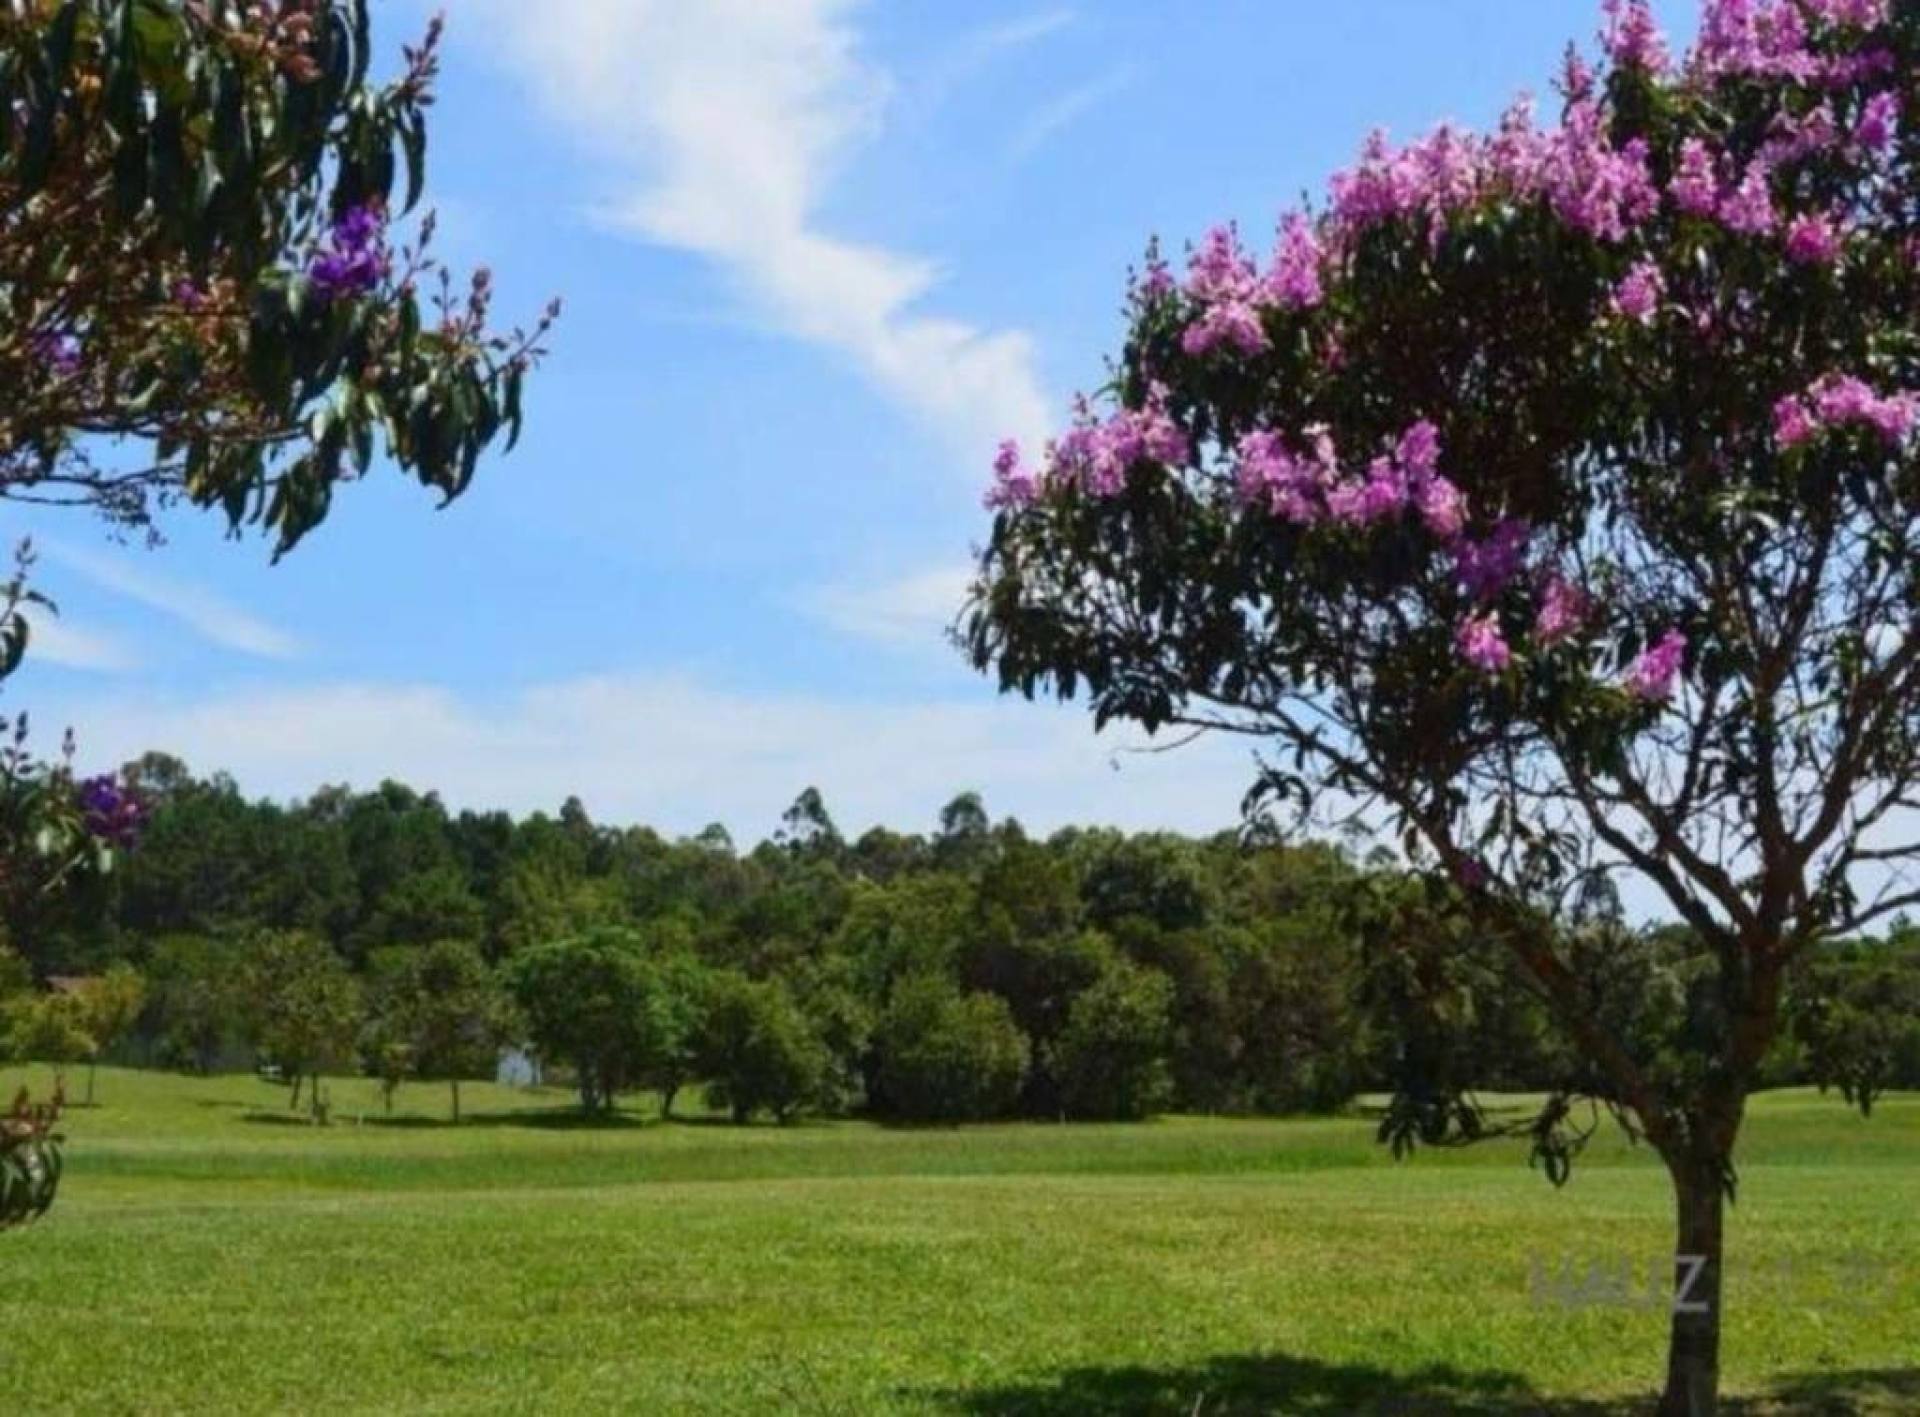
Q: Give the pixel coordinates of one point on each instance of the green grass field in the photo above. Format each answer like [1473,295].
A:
[209,1254]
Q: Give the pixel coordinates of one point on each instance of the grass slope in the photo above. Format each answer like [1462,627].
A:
[210,1254]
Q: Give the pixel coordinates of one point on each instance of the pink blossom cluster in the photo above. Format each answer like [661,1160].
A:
[1652,676]
[1232,292]
[1813,241]
[1836,400]
[1564,609]
[1485,568]
[1773,38]
[1591,184]
[1879,120]
[1482,645]
[1631,38]
[1306,488]
[1639,293]
[1014,483]
[1094,455]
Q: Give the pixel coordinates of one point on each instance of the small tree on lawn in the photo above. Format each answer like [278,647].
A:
[46,1028]
[759,1051]
[303,1009]
[1112,1055]
[1550,496]
[110,1004]
[945,1056]
[461,1018]
[684,988]
[598,1004]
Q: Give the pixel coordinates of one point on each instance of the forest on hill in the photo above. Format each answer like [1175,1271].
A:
[972,970]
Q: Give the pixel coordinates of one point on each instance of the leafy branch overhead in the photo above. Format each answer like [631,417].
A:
[202,296]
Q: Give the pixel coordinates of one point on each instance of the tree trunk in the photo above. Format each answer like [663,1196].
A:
[667,1091]
[456,1099]
[293,1100]
[1693,1351]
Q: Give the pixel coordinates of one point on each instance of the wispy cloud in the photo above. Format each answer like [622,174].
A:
[72,646]
[676,752]
[1062,112]
[978,48]
[911,613]
[206,614]
[722,127]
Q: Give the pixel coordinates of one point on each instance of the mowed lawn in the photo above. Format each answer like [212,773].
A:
[210,1254]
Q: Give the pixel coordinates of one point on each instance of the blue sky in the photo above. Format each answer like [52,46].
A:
[818,256]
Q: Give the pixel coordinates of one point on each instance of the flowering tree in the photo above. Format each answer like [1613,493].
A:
[195,263]
[201,302]
[1550,493]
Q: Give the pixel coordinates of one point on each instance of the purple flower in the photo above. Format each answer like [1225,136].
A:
[1748,208]
[1095,456]
[1158,281]
[1792,423]
[1812,241]
[1841,398]
[1564,608]
[1631,38]
[1864,14]
[1834,400]
[1894,416]
[1638,295]
[1485,568]
[1695,187]
[1294,281]
[1764,37]
[1651,677]
[1296,489]
[1481,644]
[59,350]
[1595,187]
[1878,119]
[1234,323]
[1418,452]
[1014,484]
[110,812]
[1443,507]
[354,260]
[1380,496]
[1792,138]
[1219,270]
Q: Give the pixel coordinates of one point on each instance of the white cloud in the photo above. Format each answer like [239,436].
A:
[58,641]
[913,612]
[676,753]
[722,126]
[979,48]
[1061,113]
[212,618]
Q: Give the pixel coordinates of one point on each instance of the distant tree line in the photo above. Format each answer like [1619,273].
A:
[968,973]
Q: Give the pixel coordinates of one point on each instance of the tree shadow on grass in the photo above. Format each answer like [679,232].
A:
[1285,1384]
[545,1120]
[548,1119]
[288,1118]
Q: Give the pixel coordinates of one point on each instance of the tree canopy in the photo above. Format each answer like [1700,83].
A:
[204,295]
[1549,496]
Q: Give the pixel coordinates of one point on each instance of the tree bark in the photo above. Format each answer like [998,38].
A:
[456,1098]
[1693,1351]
